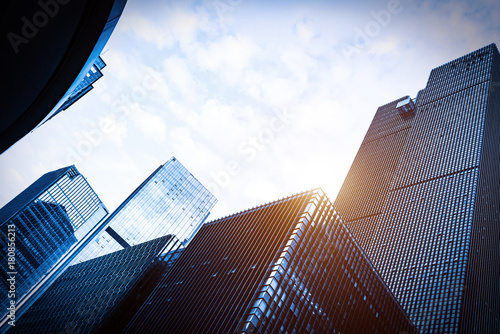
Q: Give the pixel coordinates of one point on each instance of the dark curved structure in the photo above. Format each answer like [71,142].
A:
[47,47]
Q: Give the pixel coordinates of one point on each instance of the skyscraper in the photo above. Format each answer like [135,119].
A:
[43,226]
[83,87]
[65,51]
[88,294]
[286,266]
[422,197]
[170,201]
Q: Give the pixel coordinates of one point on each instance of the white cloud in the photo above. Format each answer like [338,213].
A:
[183,25]
[305,31]
[148,30]
[280,92]
[166,24]
[17,177]
[150,124]
[385,46]
[118,129]
[228,56]
[222,76]
[181,79]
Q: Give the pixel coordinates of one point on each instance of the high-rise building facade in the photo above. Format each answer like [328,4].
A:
[363,194]
[42,229]
[422,197]
[90,294]
[170,201]
[65,51]
[289,266]
[83,87]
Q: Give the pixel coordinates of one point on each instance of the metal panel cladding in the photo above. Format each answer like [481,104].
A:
[286,266]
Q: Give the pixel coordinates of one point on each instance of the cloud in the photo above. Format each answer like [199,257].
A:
[17,177]
[148,30]
[167,24]
[305,31]
[181,79]
[227,57]
[235,52]
[385,46]
[150,124]
[193,80]
[279,92]
[12,183]
[183,24]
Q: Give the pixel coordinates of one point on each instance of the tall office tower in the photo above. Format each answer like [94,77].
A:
[170,201]
[88,297]
[83,87]
[363,194]
[65,51]
[41,228]
[425,206]
[289,266]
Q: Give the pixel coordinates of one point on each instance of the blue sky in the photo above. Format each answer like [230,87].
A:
[259,100]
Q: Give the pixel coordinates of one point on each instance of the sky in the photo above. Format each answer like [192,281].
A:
[258,99]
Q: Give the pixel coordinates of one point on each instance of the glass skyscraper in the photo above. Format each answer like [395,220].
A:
[422,197]
[83,87]
[90,297]
[170,201]
[289,266]
[44,226]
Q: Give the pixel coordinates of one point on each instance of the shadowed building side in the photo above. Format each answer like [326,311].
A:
[367,185]
[434,235]
[50,220]
[290,265]
[88,294]
[50,46]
